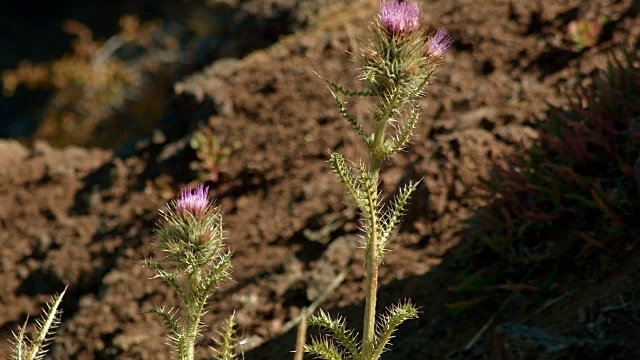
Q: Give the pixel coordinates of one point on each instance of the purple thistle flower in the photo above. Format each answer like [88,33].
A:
[193,201]
[398,17]
[438,43]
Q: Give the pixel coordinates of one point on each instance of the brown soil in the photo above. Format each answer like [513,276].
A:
[83,218]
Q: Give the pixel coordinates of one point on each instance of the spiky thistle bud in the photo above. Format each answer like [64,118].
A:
[438,43]
[396,65]
[191,231]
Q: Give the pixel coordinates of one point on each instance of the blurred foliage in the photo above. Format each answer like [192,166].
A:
[584,33]
[572,200]
[99,80]
[107,92]
[210,153]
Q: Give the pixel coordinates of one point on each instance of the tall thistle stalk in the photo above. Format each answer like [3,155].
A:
[397,64]
[191,238]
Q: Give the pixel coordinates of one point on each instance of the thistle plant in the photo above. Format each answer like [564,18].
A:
[191,238]
[210,152]
[397,64]
[35,348]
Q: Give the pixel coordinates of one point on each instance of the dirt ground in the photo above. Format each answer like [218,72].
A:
[83,218]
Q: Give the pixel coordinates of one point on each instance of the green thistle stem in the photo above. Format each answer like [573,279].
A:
[194,308]
[372,258]
[372,290]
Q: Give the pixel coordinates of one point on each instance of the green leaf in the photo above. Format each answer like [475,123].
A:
[228,341]
[218,273]
[335,87]
[355,124]
[170,279]
[406,131]
[353,185]
[391,220]
[323,348]
[168,317]
[396,315]
[338,330]
[371,201]
[20,344]
[181,345]
[45,330]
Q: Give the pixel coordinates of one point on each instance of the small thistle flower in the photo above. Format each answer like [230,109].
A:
[193,201]
[195,262]
[399,17]
[438,44]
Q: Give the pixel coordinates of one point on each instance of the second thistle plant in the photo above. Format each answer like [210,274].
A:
[397,65]
[191,238]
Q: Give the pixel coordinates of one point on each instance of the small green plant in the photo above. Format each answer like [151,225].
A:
[192,241]
[35,348]
[575,193]
[584,33]
[397,65]
[211,154]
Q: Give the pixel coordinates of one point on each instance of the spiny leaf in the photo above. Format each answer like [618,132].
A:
[406,131]
[169,278]
[228,341]
[168,317]
[337,328]
[355,124]
[396,315]
[45,330]
[370,202]
[353,184]
[339,89]
[20,344]
[391,220]
[323,348]
[181,346]
[152,264]
[218,273]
